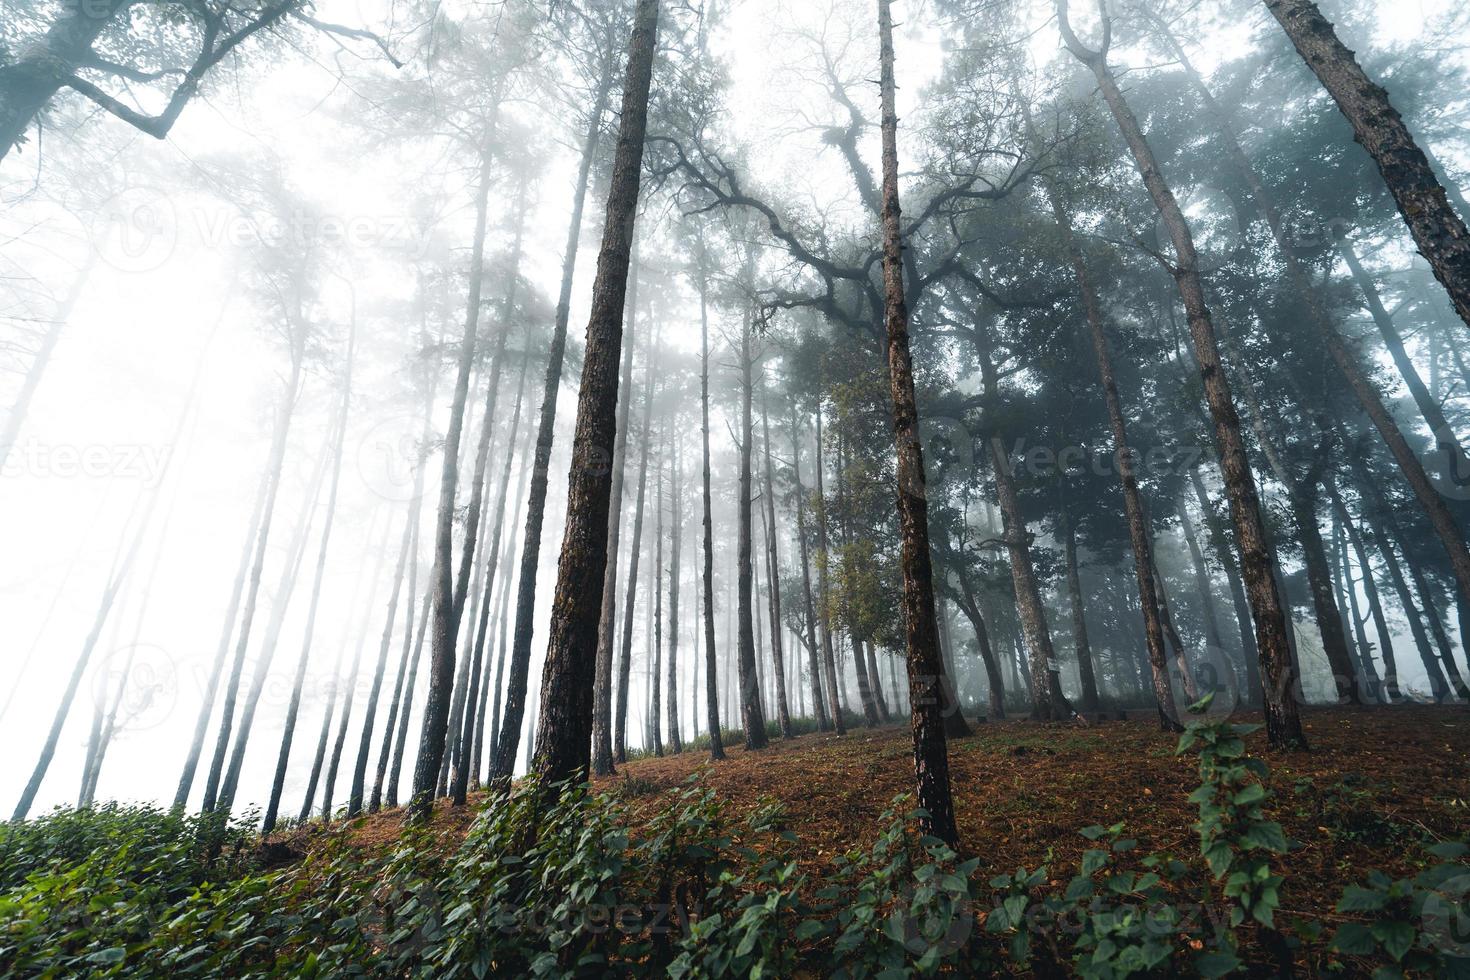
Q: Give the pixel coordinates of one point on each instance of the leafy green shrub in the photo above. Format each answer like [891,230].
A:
[1417,924]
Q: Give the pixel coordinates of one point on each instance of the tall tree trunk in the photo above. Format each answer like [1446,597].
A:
[1343,576]
[1456,465]
[1085,671]
[503,629]
[375,688]
[222,649]
[395,768]
[602,698]
[676,540]
[819,706]
[1438,687]
[1370,590]
[286,412]
[329,784]
[465,735]
[507,744]
[395,703]
[296,552]
[871,717]
[625,656]
[1047,699]
[773,577]
[1377,125]
[824,595]
[1223,551]
[446,609]
[1319,581]
[293,705]
[995,682]
[564,729]
[1283,720]
[711,673]
[323,738]
[752,714]
[921,629]
[655,703]
[1303,16]
[1123,457]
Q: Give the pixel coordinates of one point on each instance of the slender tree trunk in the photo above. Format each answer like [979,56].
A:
[507,744]
[1456,465]
[995,682]
[871,716]
[395,703]
[1302,17]
[824,594]
[1124,458]
[285,414]
[395,768]
[752,714]
[824,722]
[464,735]
[1438,687]
[773,577]
[446,609]
[563,737]
[1283,721]
[1238,603]
[375,689]
[655,678]
[602,701]
[711,673]
[1343,576]
[1085,671]
[1319,581]
[1439,232]
[296,552]
[502,630]
[330,784]
[293,706]
[222,649]
[1370,590]
[676,539]
[921,630]
[319,759]
[625,656]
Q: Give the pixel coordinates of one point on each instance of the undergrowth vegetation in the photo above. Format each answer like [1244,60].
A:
[556,881]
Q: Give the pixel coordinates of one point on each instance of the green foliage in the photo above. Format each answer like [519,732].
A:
[904,908]
[549,882]
[1418,924]
[1236,838]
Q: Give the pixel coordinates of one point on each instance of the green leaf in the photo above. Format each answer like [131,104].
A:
[1397,937]
[1217,963]
[1356,898]
[1354,939]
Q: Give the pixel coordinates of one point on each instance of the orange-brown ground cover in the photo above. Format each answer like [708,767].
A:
[1376,783]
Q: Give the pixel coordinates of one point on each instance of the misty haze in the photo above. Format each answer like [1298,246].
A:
[735,488]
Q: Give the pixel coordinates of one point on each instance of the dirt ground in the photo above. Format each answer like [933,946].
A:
[1376,785]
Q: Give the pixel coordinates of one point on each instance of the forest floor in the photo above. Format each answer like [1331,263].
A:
[1377,785]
